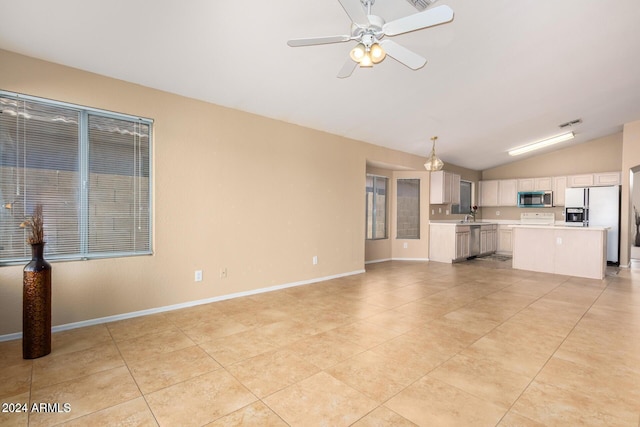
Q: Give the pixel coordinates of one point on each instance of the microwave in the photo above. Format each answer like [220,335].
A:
[535,199]
[576,216]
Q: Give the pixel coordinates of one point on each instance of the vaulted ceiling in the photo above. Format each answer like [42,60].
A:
[503,73]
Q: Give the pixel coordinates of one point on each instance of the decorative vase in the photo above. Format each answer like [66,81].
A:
[36,305]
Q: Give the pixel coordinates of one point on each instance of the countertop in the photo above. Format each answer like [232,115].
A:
[515,223]
[458,222]
[561,226]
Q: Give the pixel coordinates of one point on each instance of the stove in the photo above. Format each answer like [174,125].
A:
[537,218]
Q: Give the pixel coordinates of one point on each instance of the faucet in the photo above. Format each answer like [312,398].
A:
[466,218]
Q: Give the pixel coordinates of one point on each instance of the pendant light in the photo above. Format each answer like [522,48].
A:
[433,162]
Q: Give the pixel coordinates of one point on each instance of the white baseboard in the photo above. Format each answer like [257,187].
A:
[373,261]
[107,319]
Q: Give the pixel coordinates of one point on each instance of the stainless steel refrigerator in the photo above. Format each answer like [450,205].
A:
[603,210]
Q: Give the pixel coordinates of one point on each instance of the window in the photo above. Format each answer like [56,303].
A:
[376,207]
[408,209]
[464,207]
[90,170]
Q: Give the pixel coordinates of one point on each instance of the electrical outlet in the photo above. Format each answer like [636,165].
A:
[497,213]
[198,276]
[406,245]
[223,273]
[315,260]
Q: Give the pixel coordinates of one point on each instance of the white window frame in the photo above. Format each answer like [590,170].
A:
[84,228]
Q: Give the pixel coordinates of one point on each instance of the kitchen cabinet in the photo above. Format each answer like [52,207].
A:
[559,185]
[508,192]
[607,178]
[535,184]
[599,179]
[570,251]
[451,241]
[543,184]
[488,239]
[455,189]
[526,184]
[585,180]
[504,240]
[444,188]
[498,192]
[463,242]
[488,192]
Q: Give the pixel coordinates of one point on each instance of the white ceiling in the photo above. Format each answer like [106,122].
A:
[503,73]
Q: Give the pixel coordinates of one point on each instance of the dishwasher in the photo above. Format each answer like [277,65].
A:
[474,241]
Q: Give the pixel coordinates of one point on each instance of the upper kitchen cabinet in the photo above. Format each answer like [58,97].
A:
[503,192]
[559,184]
[444,188]
[508,192]
[599,179]
[607,178]
[534,184]
[585,180]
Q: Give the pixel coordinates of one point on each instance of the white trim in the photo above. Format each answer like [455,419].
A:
[373,261]
[107,319]
[410,259]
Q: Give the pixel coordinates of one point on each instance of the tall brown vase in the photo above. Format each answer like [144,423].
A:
[36,305]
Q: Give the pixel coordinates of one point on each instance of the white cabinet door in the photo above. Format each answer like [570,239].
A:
[488,193]
[526,184]
[493,239]
[444,188]
[508,192]
[543,184]
[504,240]
[559,187]
[455,189]
[606,178]
[580,180]
[462,244]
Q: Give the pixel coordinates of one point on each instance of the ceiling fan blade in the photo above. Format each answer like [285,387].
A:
[347,68]
[403,55]
[356,12]
[428,18]
[318,40]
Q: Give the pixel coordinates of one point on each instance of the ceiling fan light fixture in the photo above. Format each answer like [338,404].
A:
[433,162]
[366,60]
[377,53]
[358,52]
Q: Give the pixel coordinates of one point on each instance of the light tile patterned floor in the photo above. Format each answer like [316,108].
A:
[406,343]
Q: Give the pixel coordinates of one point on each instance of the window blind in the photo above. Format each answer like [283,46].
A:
[89,169]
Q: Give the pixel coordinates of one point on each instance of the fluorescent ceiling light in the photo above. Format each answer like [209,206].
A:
[541,144]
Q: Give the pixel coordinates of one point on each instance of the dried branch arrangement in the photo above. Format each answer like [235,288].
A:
[35,224]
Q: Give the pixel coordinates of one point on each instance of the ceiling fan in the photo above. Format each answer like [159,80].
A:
[369,30]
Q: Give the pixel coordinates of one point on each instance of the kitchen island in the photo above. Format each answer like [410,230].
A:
[572,251]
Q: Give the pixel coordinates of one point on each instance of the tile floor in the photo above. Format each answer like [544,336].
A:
[430,344]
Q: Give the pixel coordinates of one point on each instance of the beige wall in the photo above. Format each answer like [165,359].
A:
[232,190]
[598,155]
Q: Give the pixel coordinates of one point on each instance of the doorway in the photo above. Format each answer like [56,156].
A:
[634,250]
